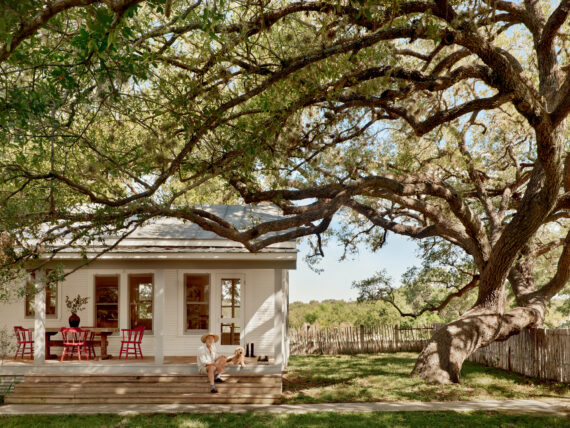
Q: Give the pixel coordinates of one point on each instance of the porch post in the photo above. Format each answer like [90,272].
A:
[40,319]
[278,318]
[159,303]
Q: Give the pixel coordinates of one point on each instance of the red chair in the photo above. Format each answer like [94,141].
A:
[131,342]
[25,341]
[90,341]
[74,341]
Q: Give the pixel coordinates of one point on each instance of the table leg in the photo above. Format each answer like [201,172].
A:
[104,355]
[48,353]
[47,347]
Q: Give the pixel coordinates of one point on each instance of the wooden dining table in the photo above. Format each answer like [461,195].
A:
[102,341]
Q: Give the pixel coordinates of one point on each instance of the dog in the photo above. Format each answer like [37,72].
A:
[238,358]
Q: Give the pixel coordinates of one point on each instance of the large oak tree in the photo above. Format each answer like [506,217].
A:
[444,121]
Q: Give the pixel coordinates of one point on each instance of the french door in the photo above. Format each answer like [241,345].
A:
[230,310]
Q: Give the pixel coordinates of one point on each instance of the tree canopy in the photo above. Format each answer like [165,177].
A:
[445,121]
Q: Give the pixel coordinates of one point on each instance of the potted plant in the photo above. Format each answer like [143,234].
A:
[75,305]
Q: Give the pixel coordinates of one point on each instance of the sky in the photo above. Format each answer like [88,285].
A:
[397,255]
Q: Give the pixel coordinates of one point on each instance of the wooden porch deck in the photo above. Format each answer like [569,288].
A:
[168,360]
[121,381]
[145,389]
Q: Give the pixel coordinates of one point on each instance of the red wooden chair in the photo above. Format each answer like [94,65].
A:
[90,342]
[74,341]
[131,342]
[25,341]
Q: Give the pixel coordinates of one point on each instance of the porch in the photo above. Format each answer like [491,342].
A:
[145,388]
[138,381]
[148,364]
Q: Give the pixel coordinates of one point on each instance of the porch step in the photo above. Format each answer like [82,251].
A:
[147,388]
[143,399]
[149,378]
[155,389]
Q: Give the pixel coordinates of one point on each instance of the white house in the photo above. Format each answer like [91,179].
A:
[180,282]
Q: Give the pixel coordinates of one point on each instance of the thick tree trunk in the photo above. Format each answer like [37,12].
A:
[442,359]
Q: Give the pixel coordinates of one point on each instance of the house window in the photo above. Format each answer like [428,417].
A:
[197,301]
[51,298]
[107,301]
[141,292]
[231,306]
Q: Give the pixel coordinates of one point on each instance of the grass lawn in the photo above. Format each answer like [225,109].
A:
[256,420]
[386,377]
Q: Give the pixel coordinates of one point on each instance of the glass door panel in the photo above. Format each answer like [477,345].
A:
[230,328]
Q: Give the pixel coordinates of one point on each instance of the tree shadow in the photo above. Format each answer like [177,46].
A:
[386,377]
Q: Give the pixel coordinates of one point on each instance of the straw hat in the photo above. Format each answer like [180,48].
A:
[215,336]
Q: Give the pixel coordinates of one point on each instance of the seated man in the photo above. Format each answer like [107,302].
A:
[209,362]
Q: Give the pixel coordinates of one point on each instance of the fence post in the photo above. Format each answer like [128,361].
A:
[396,338]
[361,338]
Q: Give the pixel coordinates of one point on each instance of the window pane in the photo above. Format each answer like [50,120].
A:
[107,316]
[107,301]
[197,288]
[230,334]
[197,296]
[231,292]
[140,296]
[230,312]
[197,317]
[30,312]
[145,292]
[227,286]
[226,312]
[231,298]
[51,298]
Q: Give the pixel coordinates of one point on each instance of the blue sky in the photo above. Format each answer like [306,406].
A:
[335,282]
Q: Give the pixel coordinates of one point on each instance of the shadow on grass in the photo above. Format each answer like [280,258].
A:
[386,377]
[258,420]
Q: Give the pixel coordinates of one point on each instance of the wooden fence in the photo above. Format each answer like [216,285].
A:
[540,353]
[360,339]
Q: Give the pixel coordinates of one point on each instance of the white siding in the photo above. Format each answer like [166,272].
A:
[259,310]
[258,306]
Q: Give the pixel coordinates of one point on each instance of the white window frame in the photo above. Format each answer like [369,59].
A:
[182,298]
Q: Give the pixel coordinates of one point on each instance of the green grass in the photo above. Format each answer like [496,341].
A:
[386,377]
[257,420]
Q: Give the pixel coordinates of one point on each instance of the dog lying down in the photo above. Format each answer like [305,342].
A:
[238,358]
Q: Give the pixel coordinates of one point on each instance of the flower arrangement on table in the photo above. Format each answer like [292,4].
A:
[77,304]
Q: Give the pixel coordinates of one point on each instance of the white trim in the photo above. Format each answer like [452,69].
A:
[278,317]
[127,284]
[180,285]
[174,242]
[158,311]
[181,256]
[221,243]
[124,304]
[92,273]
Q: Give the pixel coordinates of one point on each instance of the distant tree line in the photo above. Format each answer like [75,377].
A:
[332,313]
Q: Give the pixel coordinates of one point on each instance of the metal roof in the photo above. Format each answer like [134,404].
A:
[241,216]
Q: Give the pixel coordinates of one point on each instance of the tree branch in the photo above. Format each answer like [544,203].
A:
[469,286]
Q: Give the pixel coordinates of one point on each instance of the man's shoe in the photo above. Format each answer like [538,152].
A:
[218,379]
[213,390]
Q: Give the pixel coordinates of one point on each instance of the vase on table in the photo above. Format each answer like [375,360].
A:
[74,320]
